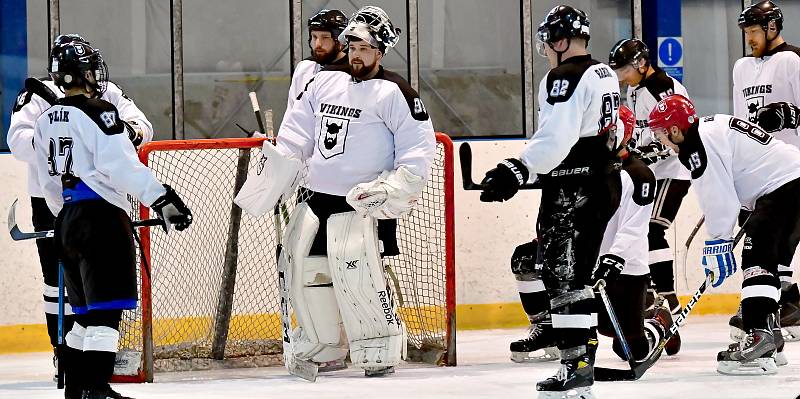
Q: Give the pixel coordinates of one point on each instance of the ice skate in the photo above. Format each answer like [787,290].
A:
[378,371]
[538,346]
[104,393]
[575,377]
[753,356]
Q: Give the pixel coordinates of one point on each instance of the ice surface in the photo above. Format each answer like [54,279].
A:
[484,371]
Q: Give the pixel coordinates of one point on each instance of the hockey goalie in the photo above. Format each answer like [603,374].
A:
[368,144]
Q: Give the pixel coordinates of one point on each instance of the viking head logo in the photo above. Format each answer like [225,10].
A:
[332,130]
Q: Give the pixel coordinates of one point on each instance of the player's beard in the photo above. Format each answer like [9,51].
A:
[758,50]
[358,69]
[325,57]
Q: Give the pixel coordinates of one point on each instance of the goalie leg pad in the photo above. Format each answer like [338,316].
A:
[319,334]
[376,336]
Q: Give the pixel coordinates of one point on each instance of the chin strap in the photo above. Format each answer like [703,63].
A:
[559,54]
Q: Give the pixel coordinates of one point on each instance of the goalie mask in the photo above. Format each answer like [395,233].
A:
[69,63]
[372,25]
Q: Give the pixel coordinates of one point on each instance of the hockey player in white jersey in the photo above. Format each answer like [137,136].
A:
[369,145]
[572,152]
[735,164]
[32,102]
[324,29]
[647,85]
[767,77]
[622,265]
[86,167]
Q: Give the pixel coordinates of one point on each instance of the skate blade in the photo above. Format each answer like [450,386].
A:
[791,334]
[544,355]
[760,366]
[577,393]
[737,334]
[780,359]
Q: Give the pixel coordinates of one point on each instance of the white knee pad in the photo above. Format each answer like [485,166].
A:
[367,307]
[75,336]
[101,338]
[319,335]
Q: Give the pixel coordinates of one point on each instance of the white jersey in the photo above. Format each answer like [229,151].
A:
[733,163]
[349,130]
[769,79]
[29,106]
[630,223]
[85,138]
[305,70]
[578,99]
[641,100]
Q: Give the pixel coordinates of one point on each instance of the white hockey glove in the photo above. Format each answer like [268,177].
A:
[390,196]
[718,259]
[275,177]
[171,209]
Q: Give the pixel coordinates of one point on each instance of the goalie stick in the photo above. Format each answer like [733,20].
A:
[636,372]
[19,235]
[465,157]
[301,368]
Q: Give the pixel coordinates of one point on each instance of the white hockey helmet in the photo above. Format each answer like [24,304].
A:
[372,25]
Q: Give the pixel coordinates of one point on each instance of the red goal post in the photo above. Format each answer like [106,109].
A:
[209,295]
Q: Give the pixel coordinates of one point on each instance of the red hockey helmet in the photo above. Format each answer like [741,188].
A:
[629,121]
[674,110]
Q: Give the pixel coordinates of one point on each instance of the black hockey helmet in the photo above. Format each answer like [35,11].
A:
[761,14]
[333,21]
[563,22]
[70,61]
[628,51]
[69,38]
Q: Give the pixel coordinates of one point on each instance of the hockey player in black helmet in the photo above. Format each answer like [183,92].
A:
[324,29]
[39,94]
[87,169]
[762,24]
[647,85]
[77,64]
[572,152]
[764,91]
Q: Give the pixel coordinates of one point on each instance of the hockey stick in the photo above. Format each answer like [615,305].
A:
[636,372]
[601,288]
[36,86]
[465,156]
[60,348]
[18,235]
[300,368]
[689,243]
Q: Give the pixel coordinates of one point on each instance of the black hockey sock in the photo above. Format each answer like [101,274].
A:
[663,277]
[72,361]
[534,303]
[99,367]
[755,311]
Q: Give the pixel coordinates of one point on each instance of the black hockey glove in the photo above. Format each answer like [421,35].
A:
[171,209]
[608,267]
[778,116]
[134,132]
[502,182]
[651,153]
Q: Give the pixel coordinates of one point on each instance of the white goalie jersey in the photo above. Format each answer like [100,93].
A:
[733,163]
[350,131]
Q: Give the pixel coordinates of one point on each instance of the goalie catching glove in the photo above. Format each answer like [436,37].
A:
[392,195]
[503,182]
[718,260]
[778,116]
[171,209]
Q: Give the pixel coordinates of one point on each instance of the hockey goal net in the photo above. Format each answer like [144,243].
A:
[209,295]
